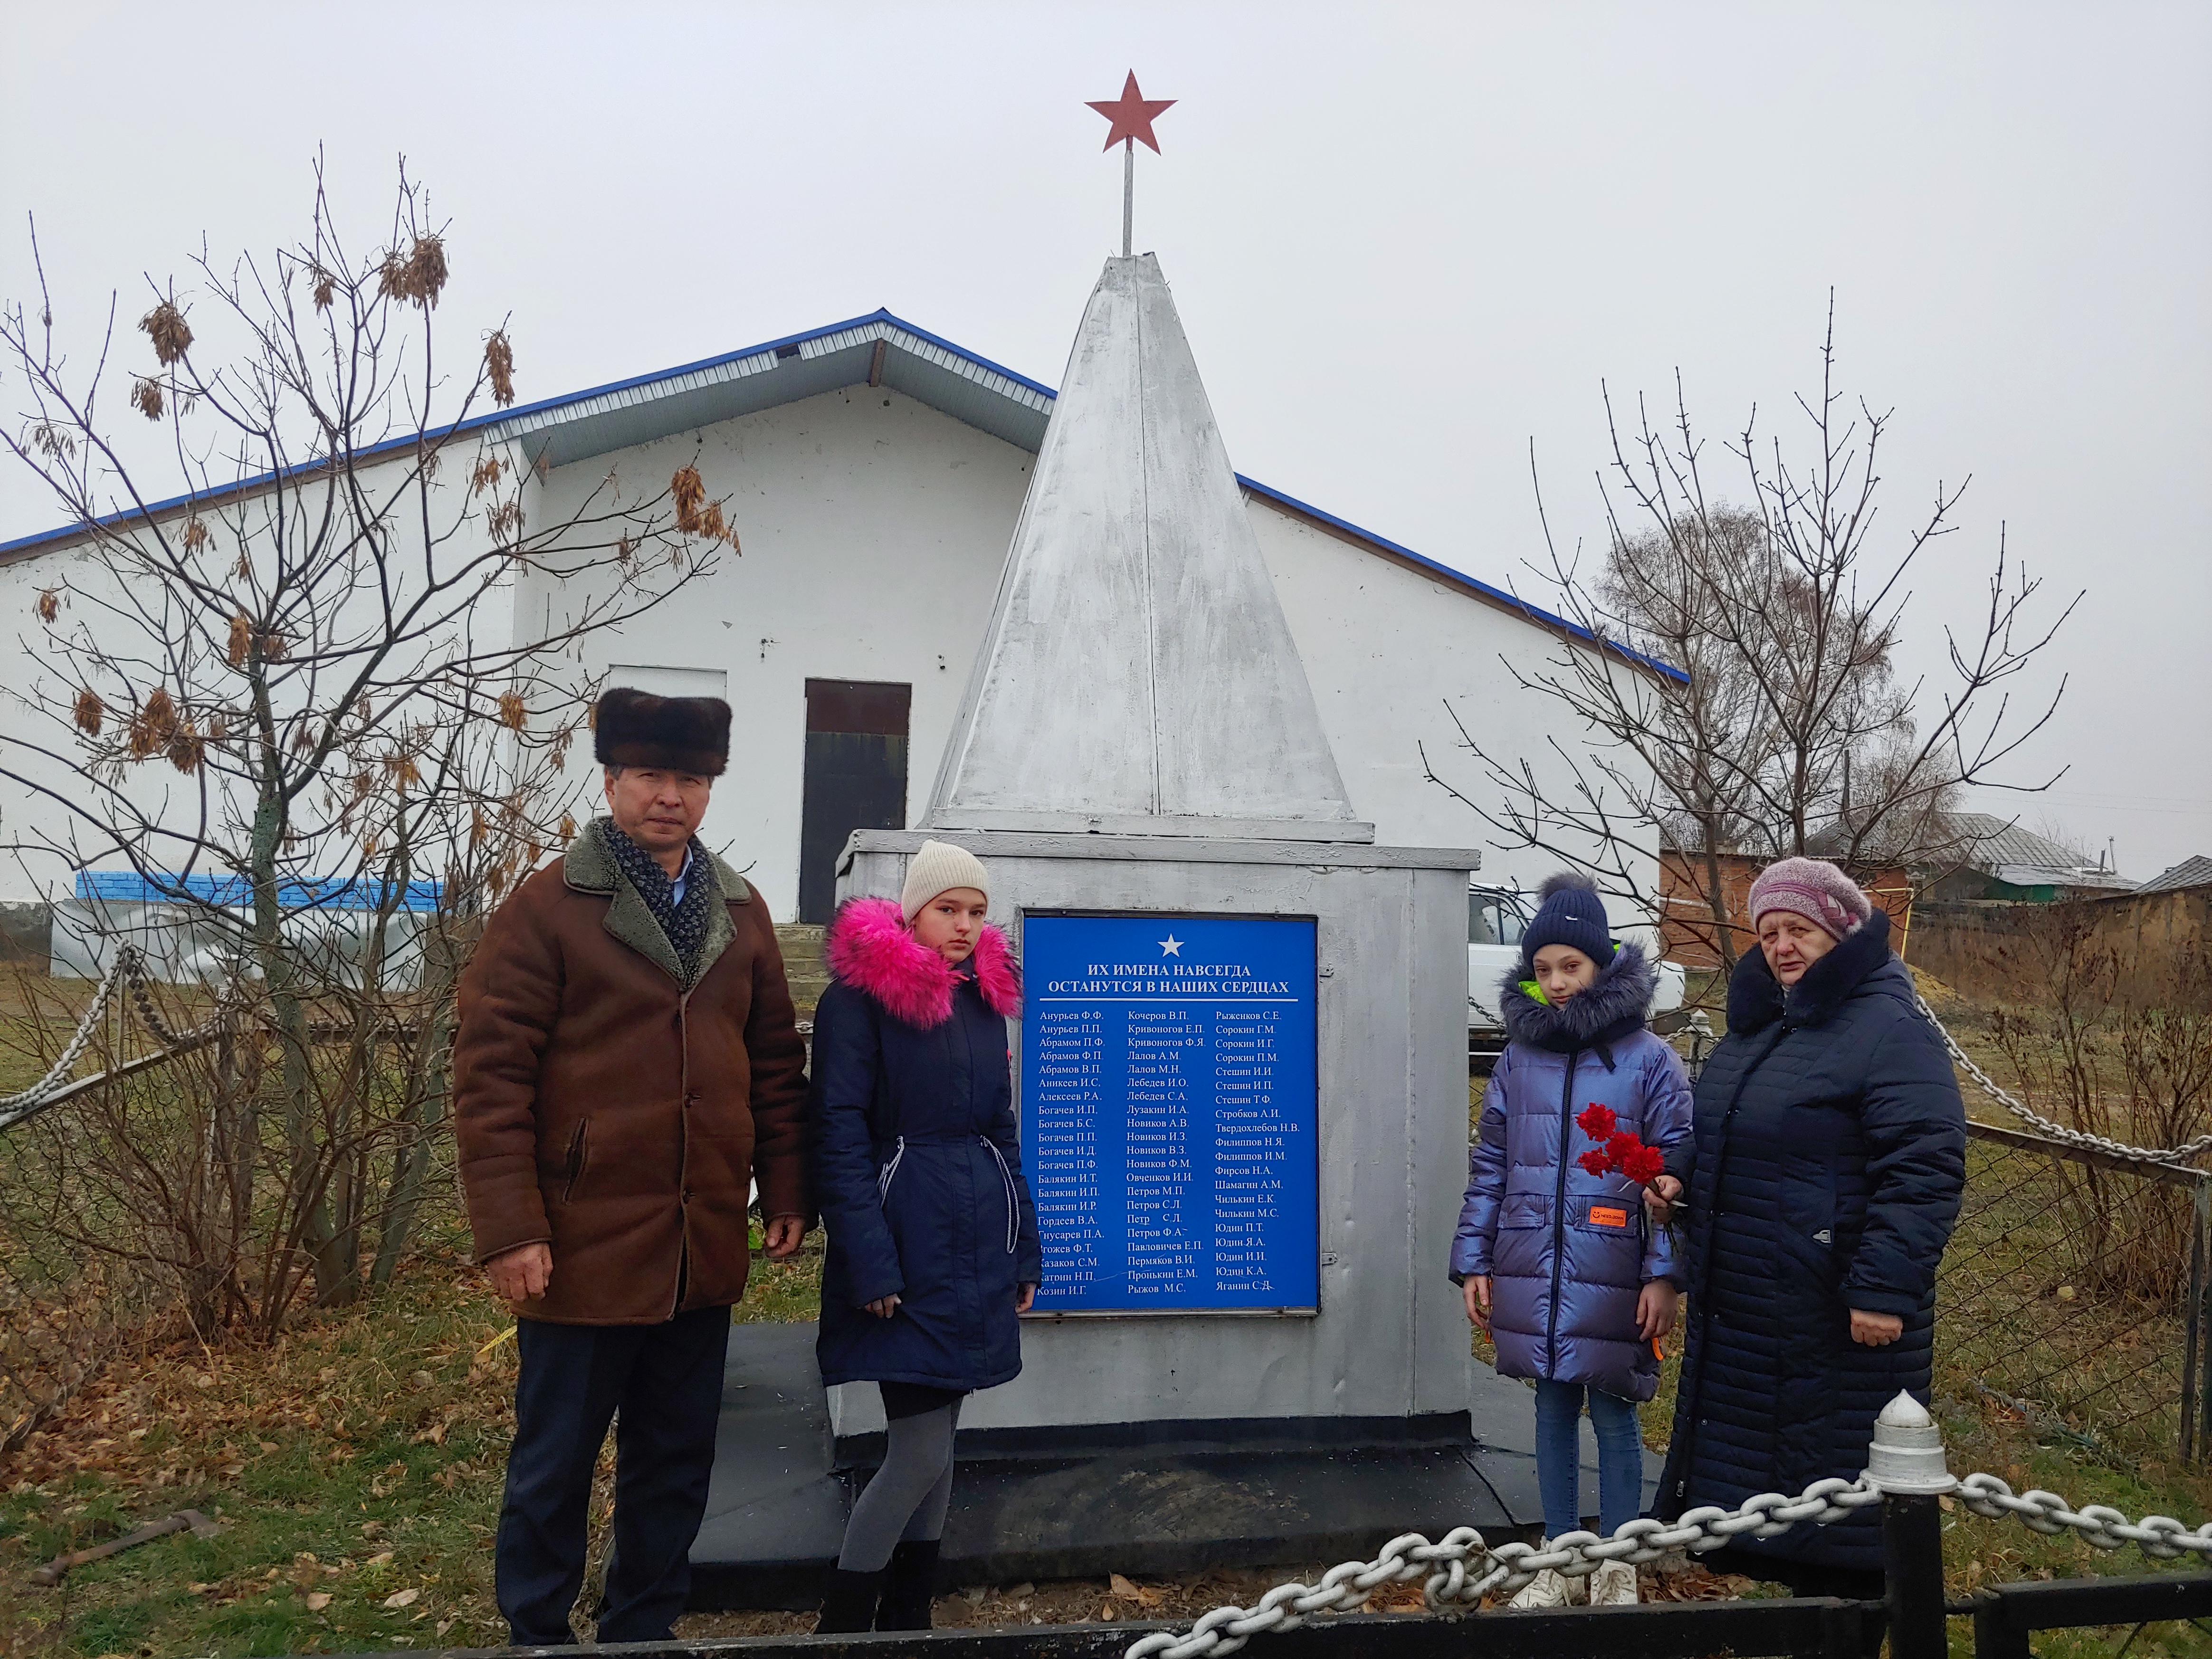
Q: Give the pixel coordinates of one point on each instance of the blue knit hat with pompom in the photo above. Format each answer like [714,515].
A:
[1568,912]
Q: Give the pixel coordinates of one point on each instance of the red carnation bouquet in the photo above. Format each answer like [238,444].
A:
[1618,1150]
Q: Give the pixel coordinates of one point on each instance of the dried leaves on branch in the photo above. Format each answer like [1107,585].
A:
[1734,668]
[286,707]
[694,514]
[499,367]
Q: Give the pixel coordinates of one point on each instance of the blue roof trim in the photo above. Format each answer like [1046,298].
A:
[123,887]
[494,417]
[474,422]
[940,341]
[1543,618]
[1512,601]
[716,361]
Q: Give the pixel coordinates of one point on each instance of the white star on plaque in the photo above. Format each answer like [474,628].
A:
[1171,947]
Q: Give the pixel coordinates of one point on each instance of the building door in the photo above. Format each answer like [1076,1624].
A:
[856,732]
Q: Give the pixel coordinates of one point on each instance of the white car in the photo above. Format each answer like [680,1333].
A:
[1495,917]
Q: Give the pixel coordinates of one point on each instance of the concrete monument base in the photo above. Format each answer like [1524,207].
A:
[1120,1498]
[1387,1340]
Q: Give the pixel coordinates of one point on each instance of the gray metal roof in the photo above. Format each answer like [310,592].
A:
[2002,848]
[924,367]
[2190,873]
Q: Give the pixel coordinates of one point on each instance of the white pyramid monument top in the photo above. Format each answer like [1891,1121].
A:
[1138,677]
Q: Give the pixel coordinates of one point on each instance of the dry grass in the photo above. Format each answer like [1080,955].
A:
[359,1458]
[351,1462]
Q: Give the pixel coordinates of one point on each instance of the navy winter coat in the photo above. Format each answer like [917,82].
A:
[1827,1161]
[1568,1253]
[917,1164]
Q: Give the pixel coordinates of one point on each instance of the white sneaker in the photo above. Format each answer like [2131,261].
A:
[1547,1590]
[1614,1585]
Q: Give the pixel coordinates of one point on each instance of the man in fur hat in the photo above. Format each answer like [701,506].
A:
[627,1064]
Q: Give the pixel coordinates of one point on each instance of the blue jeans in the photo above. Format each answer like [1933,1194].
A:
[1559,1457]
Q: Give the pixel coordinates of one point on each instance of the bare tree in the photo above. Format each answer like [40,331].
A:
[296,704]
[1734,668]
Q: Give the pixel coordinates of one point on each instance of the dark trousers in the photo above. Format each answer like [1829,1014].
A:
[666,1381]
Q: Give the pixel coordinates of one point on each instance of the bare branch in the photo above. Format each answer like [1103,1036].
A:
[1792,733]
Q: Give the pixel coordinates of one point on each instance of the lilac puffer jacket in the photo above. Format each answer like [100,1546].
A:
[1568,1252]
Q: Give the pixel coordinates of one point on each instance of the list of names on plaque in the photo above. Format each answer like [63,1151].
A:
[1168,1091]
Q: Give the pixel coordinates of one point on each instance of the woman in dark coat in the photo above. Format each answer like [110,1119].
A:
[1824,1171]
[933,1243]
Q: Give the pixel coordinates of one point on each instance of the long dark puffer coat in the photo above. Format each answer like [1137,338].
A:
[1829,1155]
[917,1167]
[1568,1252]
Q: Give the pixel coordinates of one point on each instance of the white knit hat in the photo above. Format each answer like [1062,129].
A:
[939,867]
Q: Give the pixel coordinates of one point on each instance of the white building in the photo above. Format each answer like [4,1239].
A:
[874,474]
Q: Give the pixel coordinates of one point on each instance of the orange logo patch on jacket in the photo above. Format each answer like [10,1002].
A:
[1603,1215]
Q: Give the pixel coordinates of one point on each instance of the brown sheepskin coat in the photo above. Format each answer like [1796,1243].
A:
[604,1106]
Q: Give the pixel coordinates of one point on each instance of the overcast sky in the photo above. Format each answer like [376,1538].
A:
[1405,241]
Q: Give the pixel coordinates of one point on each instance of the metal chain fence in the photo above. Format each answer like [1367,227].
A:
[2044,1126]
[2074,1289]
[125,973]
[2073,1292]
[1460,1570]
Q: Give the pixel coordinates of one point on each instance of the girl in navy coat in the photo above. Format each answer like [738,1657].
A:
[933,1243]
[1558,1263]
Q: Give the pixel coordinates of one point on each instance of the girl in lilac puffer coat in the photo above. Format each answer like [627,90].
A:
[1562,1267]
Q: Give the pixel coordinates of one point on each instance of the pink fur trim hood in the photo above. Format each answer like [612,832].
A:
[871,951]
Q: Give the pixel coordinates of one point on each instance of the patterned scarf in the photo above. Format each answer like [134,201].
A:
[683,925]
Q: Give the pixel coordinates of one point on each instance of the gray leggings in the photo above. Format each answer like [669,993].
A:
[909,1495]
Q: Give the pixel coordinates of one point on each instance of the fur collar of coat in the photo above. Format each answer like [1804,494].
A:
[871,949]
[589,866]
[1757,998]
[1616,1005]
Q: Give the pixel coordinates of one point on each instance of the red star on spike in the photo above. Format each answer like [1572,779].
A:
[1133,115]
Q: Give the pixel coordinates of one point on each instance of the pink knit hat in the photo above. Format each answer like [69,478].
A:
[1814,889]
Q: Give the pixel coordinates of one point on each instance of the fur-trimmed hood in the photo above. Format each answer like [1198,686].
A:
[871,949]
[1617,1003]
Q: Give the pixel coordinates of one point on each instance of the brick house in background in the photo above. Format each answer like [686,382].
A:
[1686,927]
[1993,862]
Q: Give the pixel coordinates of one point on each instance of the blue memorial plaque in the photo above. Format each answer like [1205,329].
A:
[1168,1099]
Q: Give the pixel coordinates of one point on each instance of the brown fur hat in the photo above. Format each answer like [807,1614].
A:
[676,734]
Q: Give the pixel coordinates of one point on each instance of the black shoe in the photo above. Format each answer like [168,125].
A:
[910,1587]
[849,1604]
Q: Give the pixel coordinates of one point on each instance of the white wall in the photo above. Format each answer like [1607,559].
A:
[1385,646]
[27,817]
[89,591]
[875,529]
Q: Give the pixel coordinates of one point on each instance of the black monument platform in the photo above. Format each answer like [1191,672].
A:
[1150,1499]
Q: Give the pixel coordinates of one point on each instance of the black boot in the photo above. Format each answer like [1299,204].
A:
[910,1587]
[849,1604]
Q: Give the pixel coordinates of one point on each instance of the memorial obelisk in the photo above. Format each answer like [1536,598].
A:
[1240,1066]
[1138,677]
[1242,1063]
